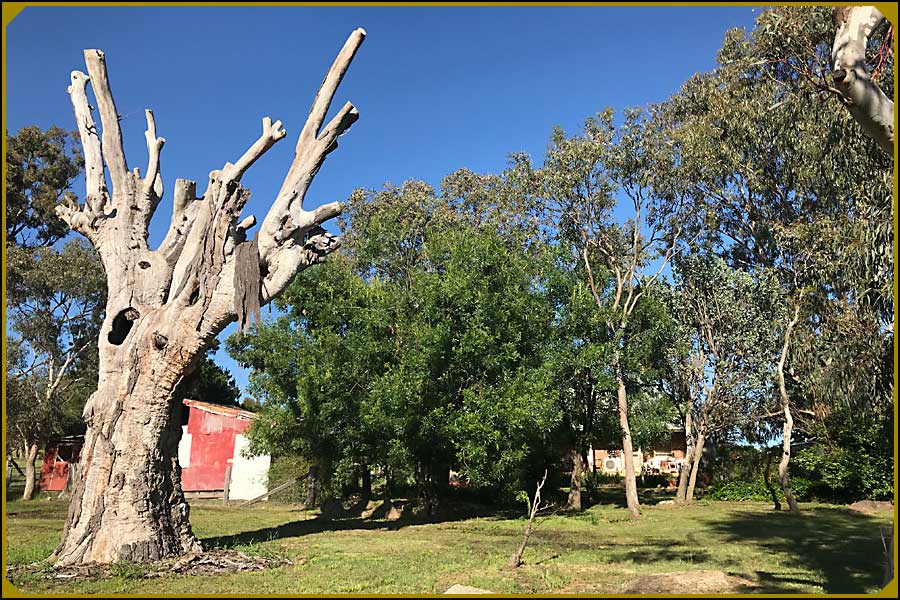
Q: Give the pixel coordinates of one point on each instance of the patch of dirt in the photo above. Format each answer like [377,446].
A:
[688,582]
[213,562]
[466,589]
[869,507]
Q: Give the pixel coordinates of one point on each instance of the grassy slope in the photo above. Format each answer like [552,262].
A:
[827,549]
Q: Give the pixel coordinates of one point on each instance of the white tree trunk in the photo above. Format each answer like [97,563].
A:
[631,495]
[788,418]
[871,108]
[686,467]
[165,306]
[31,450]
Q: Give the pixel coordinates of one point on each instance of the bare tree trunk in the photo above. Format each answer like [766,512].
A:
[788,418]
[71,478]
[870,107]
[165,306]
[312,487]
[516,560]
[631,496]
[574,502]
[681,496]
[31,451]
[695,467]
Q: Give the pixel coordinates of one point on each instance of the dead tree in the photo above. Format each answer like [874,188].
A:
[166,305]
[516,559]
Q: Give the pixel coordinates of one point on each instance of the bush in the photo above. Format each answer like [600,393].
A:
[756,490]
[282,469]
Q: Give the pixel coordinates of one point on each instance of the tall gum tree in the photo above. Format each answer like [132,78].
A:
[166,305]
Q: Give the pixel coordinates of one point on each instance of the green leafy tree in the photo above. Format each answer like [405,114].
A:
[55,294]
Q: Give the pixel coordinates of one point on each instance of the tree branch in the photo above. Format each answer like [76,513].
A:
[871,108]
[113,152]
[286,219]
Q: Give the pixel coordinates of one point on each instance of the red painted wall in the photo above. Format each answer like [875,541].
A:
[53,473]
[55,470]
[212,447]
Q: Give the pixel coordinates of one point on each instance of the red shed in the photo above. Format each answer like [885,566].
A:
[58,453]
[211,441]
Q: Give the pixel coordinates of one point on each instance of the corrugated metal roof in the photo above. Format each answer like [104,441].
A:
[218,409]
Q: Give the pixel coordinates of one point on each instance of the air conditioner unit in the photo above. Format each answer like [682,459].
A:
[612,465]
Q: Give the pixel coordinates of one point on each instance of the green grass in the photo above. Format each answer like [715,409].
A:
[828,549]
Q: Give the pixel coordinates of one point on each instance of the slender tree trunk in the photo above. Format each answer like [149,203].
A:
[631,496]
[574,502]
[166,305]
[366,487]
[312,487]
[695,467]
[788,418]
[31,451]
[681,496]
[785,461]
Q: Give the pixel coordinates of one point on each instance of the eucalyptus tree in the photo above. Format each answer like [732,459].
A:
[786,187]
[580,183]
[724,370]
[165,306]
[428,352]
[54,296]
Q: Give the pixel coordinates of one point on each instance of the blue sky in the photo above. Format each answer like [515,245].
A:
[438,88]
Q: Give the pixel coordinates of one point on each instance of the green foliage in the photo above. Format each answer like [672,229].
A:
[853,460]
[40,167]
[211,383]
[416,349]
[54,296]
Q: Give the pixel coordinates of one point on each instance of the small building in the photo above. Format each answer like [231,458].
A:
[212,440]
[211,446]
[666,457]
[58,454]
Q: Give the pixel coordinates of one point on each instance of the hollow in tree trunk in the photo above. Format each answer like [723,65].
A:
[166,305]
[695,467]
[31,450]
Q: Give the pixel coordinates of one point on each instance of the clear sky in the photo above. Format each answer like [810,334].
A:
[437,88]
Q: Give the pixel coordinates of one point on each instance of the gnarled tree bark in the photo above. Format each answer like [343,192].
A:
[871,108]
[166,305]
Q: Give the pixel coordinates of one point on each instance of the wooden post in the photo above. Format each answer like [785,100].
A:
[227,483]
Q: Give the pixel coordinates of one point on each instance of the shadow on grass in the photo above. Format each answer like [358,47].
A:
[843,545]
[350,521]
[615,496]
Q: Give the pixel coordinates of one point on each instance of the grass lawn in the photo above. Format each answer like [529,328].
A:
[828,549]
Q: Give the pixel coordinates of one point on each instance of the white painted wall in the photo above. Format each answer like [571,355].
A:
[184,448]
[248,475]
